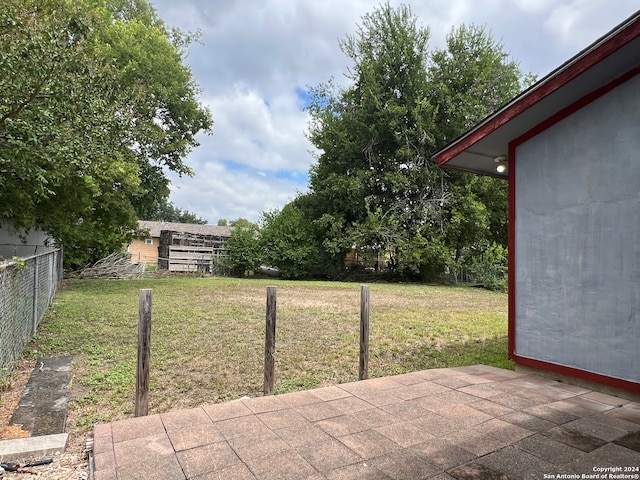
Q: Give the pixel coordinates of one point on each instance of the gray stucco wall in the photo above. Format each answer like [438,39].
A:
[11,244]
[577,250]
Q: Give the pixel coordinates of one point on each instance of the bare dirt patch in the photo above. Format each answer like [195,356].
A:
[10,398]
[70,465]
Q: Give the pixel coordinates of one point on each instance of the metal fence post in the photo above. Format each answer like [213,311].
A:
[35,296]
[20,306]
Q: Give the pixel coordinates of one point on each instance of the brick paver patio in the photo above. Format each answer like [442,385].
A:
[456,423]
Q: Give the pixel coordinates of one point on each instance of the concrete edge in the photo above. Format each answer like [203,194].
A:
[32,447]
[578,382]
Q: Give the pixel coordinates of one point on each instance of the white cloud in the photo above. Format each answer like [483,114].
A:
[578,23]
[216,192]
[535,6]
[250,130]
[258,54]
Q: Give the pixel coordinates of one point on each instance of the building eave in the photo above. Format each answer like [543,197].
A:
[610,57]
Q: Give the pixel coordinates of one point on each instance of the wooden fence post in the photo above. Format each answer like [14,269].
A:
[144,353]
[363,373]
[270,341]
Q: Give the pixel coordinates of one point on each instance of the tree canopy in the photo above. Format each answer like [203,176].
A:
[166,211]
[96,106]
[245,252]
[375,186]
[374,189]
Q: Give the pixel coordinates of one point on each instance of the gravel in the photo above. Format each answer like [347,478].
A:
[65,466]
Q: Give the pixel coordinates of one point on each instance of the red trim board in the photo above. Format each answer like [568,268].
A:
[544,89]
[511,252]
[512,321]
[577,373]
[574,107]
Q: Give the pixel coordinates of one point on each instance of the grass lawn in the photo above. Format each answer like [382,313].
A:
[208,338]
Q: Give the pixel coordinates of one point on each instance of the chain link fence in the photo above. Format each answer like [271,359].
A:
[27,287]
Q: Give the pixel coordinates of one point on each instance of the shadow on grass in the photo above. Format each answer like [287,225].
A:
[491,352]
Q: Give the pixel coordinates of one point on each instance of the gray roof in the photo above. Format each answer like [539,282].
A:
[156,227]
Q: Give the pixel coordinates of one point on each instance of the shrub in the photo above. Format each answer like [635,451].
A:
[489,266]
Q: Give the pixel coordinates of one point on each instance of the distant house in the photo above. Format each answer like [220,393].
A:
[180,247]
[570,149]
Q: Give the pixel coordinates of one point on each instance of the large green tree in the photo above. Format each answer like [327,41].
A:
[469,79]
[374,177]
[96,106]
[374,185]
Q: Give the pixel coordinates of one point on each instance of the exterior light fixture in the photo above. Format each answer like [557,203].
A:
[501,164]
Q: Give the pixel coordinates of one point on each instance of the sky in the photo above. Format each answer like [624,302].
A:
[258,58]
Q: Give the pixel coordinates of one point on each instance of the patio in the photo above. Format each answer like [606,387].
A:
[456,423]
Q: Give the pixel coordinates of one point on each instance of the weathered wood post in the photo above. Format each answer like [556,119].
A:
[144,353]
[363,373]
[270,341]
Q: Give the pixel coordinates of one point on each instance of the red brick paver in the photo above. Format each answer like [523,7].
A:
[451,423]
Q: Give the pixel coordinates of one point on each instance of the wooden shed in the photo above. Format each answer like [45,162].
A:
[180,247]
[570,149]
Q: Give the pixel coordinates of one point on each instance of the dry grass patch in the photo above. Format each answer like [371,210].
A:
[10,394]
[208,338]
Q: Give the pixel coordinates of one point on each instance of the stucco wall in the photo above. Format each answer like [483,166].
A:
[11,244]
[577,250]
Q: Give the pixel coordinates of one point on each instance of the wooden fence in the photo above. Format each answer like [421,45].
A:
[144,344]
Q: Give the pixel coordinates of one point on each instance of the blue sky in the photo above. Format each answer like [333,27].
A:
[258,58]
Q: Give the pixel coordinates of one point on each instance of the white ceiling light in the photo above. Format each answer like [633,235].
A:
[501,164]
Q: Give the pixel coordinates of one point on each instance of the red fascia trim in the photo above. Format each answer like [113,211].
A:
[511,275]
[580,66]
[511,252]
[574,107]
[578,373]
